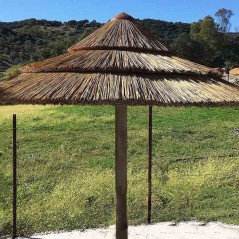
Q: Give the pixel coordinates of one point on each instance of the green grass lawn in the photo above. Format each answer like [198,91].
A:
[66,166]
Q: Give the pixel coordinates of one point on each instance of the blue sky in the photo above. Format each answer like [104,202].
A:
[103,10]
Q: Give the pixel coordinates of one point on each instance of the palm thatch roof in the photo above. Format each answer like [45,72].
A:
[120,63]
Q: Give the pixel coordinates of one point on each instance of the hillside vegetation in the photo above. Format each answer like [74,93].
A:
[31,40]
[66,166]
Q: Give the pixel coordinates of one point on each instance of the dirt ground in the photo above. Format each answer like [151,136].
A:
[165,230]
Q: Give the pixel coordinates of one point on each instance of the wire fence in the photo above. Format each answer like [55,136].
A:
[66,176]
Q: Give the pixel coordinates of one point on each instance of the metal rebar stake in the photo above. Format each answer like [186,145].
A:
[14,192]
[150,165]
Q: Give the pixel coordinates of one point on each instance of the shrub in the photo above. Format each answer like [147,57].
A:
[11,72]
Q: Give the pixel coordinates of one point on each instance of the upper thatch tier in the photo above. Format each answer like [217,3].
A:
[120,63]
[122,33]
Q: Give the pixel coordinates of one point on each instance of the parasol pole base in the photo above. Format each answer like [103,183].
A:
[121,171]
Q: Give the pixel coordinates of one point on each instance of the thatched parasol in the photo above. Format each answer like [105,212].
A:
[119,64]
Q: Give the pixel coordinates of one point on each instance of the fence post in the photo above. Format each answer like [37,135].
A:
[14,192]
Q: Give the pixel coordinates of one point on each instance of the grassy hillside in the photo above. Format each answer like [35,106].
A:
[66,166]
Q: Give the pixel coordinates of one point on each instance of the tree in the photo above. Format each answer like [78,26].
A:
[188,48]
[209,33]
[208,39]
[71,23]
[223,15]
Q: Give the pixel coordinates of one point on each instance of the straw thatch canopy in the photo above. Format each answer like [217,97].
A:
[119,63]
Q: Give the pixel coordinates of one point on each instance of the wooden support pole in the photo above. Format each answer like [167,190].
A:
[121,171]
[14,191]
[150,164]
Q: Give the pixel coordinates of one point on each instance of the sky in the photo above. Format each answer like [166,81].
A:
[103,10]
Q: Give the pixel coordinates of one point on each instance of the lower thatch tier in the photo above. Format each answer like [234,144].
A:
[75,88]
[118,62]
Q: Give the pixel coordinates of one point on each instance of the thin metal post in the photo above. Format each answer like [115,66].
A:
[14,193]
[121,171]
[150,164]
